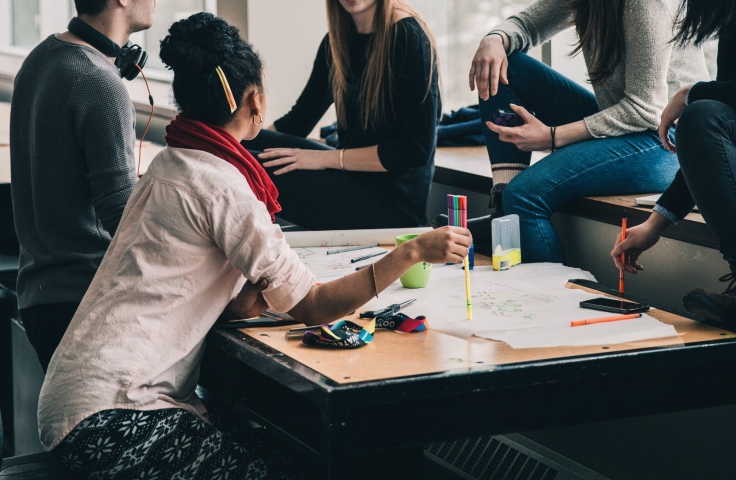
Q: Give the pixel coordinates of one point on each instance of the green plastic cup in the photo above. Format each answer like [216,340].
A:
[418,275]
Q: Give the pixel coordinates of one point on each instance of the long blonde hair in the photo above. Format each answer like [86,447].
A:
[376,84]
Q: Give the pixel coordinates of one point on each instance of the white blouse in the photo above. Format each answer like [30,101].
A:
[191,234]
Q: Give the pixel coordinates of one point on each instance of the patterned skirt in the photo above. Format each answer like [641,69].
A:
[168,444]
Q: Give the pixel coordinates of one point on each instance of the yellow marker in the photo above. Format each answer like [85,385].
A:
[467,288]
[505,259]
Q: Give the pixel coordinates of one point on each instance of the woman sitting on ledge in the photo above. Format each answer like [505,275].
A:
[603,143]
[378,65]
[706,149]
[197,238]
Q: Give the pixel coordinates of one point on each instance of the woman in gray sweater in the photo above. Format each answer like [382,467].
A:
[604,143]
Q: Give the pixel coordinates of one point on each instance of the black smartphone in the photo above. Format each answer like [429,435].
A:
[507,118]
[614,305]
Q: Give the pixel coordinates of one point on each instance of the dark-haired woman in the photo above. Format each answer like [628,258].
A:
[378,66]
[604,143]
[706,148]
[196,239]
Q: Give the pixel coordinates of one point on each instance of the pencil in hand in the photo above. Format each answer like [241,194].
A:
[623,257]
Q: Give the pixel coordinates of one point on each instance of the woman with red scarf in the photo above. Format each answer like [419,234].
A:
[196,241]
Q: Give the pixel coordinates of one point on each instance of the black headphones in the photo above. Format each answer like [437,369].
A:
[127,58]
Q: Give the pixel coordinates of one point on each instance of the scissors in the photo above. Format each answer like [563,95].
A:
[388,311]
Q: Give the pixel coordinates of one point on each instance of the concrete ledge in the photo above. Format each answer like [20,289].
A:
[468,168]
[692,229]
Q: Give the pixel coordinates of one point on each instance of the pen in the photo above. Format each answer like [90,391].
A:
[578,323]
[390,310]
[299,331]
[366,257]
[362,267]
[276,315]
[350,249]
[623,257]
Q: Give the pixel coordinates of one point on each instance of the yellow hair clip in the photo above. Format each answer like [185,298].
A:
[228,91]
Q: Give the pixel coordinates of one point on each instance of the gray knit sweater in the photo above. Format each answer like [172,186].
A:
[652,70]
[72,138]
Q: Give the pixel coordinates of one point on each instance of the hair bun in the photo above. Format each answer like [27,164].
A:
[193,49]
[199,43]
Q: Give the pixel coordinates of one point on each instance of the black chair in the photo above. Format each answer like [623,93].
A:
[38,466]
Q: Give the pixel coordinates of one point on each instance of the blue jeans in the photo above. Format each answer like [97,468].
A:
[630,164]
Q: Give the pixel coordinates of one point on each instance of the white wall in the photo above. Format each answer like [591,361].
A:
[5,25]
[55,15]
[572,67]
[287,34]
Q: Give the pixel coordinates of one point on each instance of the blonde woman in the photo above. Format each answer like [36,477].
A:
[378,65]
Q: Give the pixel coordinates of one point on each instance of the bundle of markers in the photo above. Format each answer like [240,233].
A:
[457,212]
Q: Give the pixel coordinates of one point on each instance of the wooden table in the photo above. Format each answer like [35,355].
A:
[365,413]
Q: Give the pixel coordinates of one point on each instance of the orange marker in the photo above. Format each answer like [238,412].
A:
[623,257]
[578,323]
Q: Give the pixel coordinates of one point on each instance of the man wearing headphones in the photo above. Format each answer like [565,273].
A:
[72,137]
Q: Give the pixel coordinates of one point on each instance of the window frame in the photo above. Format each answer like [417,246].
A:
[6,26]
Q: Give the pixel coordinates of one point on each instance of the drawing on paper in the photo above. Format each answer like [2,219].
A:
[495,304]
[331,267]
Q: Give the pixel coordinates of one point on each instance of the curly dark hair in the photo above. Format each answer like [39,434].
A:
[193,49]
[90,7]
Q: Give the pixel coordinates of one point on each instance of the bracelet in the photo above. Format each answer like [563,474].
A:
[375,285]
[553,131]
[497,33]
[342,165]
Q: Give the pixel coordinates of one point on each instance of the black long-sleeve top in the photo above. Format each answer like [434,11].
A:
[676,202]
[406,141]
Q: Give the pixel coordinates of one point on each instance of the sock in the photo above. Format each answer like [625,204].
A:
[505,172]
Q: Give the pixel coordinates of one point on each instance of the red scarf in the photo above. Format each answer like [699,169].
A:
[184,132]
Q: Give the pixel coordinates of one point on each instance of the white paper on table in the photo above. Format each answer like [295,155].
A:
[526,307]
[331,267]
[341,238]
[444,297]
[624,331]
